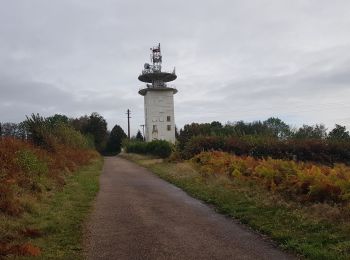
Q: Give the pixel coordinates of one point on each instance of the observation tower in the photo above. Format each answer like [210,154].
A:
[158,99]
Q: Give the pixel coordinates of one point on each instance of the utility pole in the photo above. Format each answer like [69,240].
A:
[143,132]
[128,113]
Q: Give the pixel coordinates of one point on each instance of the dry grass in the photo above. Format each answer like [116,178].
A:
[29,174]
[316,230]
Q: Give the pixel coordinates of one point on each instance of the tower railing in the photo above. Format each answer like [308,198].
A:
[150,71]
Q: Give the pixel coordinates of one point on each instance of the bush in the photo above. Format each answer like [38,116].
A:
[67,135]
[30,163]
[35,159]
[159,148]
[297,180]
[317,150]
[26,168]
[50,134]
[135,147]
[95,126]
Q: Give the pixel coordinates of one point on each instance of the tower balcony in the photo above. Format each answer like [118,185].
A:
[148,76]
[143,91]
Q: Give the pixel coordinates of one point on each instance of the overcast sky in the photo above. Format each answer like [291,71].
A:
[235,60]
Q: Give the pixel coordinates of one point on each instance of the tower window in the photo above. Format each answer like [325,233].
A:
[155,128]
[168,127]
[168,118]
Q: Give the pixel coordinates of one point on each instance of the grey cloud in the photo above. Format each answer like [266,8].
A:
[235,59]
[31,92]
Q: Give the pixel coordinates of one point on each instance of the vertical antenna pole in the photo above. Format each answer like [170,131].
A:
[128,113]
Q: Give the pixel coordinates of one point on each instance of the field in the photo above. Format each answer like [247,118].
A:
[305,211]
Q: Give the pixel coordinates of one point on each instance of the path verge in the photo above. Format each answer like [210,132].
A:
[55,224]
[293,227]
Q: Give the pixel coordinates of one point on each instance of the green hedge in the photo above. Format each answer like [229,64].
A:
[158,148]
[323,151]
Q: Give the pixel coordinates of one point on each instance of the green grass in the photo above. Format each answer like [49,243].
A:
[60,217]
[295,227]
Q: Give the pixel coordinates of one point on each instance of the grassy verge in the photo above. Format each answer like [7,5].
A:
[315,231]
[56,221]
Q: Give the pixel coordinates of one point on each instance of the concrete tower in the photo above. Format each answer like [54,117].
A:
[159,99]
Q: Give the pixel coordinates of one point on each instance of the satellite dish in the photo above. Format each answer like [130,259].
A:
[146,66]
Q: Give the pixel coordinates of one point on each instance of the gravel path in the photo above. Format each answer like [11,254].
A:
[139,216]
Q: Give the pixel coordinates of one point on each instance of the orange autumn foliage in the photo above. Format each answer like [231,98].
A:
[26,171]
[298,180]
[25,249]
[23,165]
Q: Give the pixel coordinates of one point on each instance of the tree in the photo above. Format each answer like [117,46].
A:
[93,126]
[139,136]
[177,133]
[339,133]
[57,119]
[14,130]
[115,139]
[311,132]
[188,132]
[277,127]
[80,124]
[10,129]
[97,127]
[216,124]
[38,130]
[240,128]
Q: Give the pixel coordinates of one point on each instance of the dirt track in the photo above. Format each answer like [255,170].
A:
[139,216]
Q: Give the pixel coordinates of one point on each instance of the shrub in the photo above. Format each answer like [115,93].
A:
[95,126]
[324,151]
[30,164]
[135,147]
[159,148]
[26,168]
[50,134]
[38,130]
[67,135]
[33,163]
[298,180]
[9,204]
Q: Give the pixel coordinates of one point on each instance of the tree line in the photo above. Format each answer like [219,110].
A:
[272,127]
[93,127]
[269,138]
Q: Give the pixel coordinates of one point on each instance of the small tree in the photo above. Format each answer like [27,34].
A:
[115,139]
[139,136]
[94,126]
[277,127]
[38,130]
[311,132]
[339,133]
